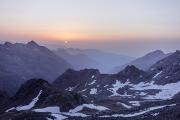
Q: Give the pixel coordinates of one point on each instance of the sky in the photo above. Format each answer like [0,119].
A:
[131,27]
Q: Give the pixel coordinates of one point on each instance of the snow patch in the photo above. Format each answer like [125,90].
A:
[55,112]
[93,91]
[106,85]
[155,114]
[94,81]
[58,116]
[138,113]
[75,114]
[157,74]
[126,106]
[135,103]
[90,106]
[93,76]
[117,86]
[83,90]
[166,91]
[54,109]
[70,88]
[142,93]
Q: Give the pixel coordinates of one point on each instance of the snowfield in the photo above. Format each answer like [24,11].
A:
[165,91]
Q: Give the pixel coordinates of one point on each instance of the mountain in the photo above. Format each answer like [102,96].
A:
[132,93]
[37,95]
[93,58]
[166,70]
[90,95]
[20,62]
[144,62]
[78,61]
[131,82]
[96,86]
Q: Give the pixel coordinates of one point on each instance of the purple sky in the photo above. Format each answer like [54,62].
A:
[131,27]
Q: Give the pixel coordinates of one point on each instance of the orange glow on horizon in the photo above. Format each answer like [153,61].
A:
[55,35]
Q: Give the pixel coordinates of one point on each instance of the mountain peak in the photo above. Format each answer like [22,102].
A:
[8,44]
[32,44]
[131,71]
[156,52]
[177,52]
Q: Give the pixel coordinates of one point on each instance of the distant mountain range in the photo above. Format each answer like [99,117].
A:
[78,61]
[20,62]
[92,58]
[52,85]
[144,62]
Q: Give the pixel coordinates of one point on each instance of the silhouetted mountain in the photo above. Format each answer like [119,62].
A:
[144,62]
[20,62]
[93,58]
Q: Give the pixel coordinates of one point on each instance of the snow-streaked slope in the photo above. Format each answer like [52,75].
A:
[29,106]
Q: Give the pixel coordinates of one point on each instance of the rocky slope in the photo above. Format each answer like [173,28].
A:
[132,90]
[20,62]
[37,95]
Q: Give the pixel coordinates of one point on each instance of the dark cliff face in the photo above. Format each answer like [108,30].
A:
[3,97]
